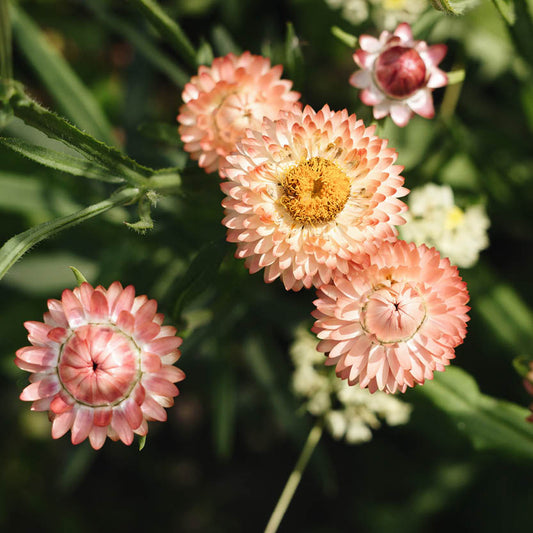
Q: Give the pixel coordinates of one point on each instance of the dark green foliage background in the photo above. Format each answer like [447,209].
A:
[221,460]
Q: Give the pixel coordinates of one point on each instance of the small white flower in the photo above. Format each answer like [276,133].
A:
[348,412]
[434,219]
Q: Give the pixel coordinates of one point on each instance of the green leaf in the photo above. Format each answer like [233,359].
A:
[71,95]
[142,442]
[224,42]
[145,46]
[224,403]
[489,423]
[168,29]
[293,56]
[205,53]
[344,37]
[80,278]
[506,8]
[18,245]
[59,161]
[55,127]
[6,60]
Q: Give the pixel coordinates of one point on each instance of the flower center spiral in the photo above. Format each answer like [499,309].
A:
[99,365]
[400,71]
[315,191]
[393,314]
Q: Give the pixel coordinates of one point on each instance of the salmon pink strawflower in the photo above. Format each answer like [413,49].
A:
[309,193]
[392,324]
[398,74]
[101,363]
[235,93]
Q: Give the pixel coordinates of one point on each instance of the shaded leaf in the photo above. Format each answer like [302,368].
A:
[59,161]
[489,423]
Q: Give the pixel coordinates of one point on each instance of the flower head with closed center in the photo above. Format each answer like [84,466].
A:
[225,99]
[398,74]
[309,193]
[393,323]
[101,363]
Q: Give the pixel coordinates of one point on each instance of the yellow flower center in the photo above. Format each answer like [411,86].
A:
[394,4]
[315,191]
[454,217]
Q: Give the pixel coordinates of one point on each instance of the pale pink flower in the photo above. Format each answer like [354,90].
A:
[309,193]
[235,93]
[395,322]
[398,74]
[101,363]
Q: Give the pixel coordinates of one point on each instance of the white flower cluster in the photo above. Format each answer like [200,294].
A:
[386,14]
[434,219]
[349,412]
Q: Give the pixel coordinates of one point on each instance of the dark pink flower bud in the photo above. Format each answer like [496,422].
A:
[400,71]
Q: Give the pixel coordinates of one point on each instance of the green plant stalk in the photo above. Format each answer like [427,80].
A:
[294,478]
[18,245]
[6,61]
[168,29]
[56,127]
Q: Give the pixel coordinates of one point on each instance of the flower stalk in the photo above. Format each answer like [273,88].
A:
[295,477]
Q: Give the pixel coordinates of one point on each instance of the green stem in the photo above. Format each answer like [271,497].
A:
[169,30]
[56,127]
[18,245]
[6,63]
[294,478]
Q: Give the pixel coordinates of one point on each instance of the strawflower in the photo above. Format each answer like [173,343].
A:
[350,413]
[101,363]
[398,74]
[308,194]
[392,324]
[434,219]
[233,94]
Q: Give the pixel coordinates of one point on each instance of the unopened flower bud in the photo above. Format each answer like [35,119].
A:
[400,71]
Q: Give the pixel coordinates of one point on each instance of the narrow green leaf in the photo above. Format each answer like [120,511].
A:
[205,53]
[6,61]
[59,161]
[80,278]
[344,37]
[224,42]
[168,29]
[142,442]
[58,128]
[293,56]
[18,245]
[145,46]
[70,94]
[224,402]
[489,423]
[506,8]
